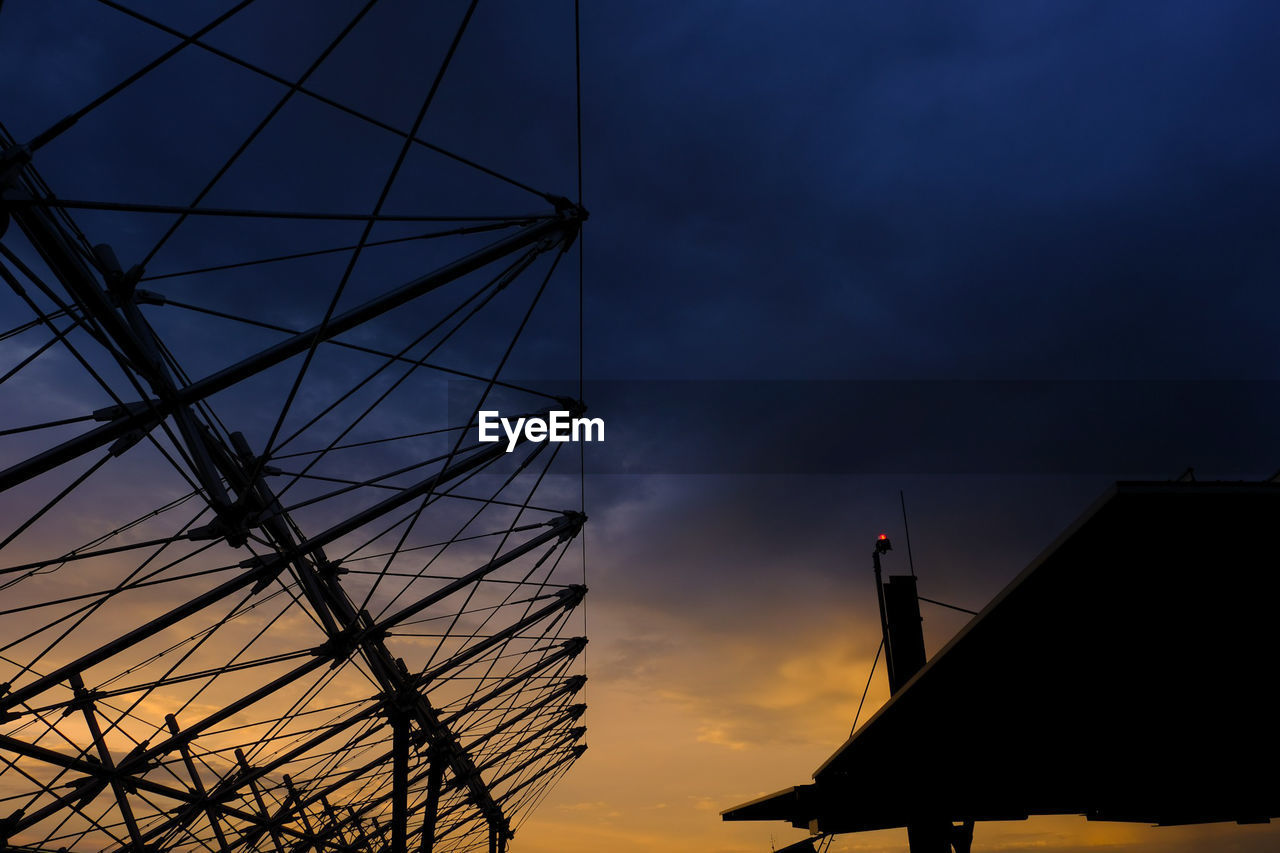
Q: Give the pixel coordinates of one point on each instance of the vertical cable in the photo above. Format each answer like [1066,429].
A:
[582,447]
[907,530]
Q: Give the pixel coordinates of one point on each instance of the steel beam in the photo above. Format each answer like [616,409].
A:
[542,235]
[295,800]
[399,779]
[569,649]
[559,693]
[262,805]
[573,755]
[172,722]
[96,771]
[257,574]
[84,701]
[465,773]
[431,807]
[348,631]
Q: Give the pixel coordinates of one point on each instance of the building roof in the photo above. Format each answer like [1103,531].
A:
[1126,674]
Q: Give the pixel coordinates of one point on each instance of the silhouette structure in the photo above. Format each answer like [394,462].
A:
[260,586]
[1125,675]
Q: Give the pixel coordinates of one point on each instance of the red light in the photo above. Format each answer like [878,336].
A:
[884,535]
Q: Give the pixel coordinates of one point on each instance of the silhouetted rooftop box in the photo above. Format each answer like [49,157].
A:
[1127,674]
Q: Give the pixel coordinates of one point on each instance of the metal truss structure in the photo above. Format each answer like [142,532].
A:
[261,588]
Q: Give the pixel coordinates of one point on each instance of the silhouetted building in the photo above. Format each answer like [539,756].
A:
[1127,674]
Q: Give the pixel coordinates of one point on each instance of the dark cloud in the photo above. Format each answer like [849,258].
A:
[979,192]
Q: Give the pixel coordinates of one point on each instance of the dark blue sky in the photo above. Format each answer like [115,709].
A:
[832,191]
[1028,193]
[983,191]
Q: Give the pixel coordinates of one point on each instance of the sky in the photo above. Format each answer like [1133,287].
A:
[990,257]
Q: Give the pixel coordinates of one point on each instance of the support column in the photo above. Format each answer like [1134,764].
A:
[295,802]
[435,780]
[355,821]
[399,778]
[334,822]
[261,803]
[85,701]
[930,836]
[172,722]
[906,633]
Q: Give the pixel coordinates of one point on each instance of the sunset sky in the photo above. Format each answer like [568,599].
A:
[993,256]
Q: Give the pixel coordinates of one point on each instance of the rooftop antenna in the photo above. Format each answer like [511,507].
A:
[911,563]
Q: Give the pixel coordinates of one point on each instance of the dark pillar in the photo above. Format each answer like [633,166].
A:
[932,836]
[906,645]
[906,634]
[435,778]
[962,836]
[399,781]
